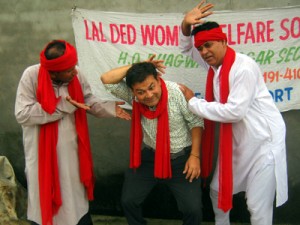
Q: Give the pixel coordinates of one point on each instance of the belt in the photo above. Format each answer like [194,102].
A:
[183,152]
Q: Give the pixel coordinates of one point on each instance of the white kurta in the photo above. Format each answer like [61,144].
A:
[258,127]
[30,115]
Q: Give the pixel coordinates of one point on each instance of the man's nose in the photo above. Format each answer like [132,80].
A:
[149,94]
[74,72]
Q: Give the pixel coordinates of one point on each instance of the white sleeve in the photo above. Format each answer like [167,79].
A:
[241,96]
[28,110]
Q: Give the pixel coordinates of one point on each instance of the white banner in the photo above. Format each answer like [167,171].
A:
[106,40]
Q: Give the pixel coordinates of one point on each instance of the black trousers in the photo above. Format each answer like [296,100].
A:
[85,220]
[138,184]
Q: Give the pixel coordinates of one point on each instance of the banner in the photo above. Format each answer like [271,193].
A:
[106,40]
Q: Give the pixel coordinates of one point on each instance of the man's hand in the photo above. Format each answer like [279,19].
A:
[192,168]
[188,93]
[194,16]
[121,113]
[158,63]
[77,104]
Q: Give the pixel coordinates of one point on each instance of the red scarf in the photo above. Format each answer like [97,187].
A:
[49,186]
[225,140]
[162,163]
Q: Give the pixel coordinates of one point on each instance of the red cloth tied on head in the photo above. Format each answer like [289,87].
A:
[215,34]
[64,62]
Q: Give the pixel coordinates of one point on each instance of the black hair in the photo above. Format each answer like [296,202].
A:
[55,49]
[139,72]
[205,26]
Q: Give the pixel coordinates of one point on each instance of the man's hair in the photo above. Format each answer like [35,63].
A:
[205,26]
[55,49]
[139,72]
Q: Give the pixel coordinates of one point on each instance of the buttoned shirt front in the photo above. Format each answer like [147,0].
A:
[181,119]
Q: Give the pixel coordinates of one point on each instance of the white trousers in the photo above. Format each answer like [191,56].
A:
[260,196]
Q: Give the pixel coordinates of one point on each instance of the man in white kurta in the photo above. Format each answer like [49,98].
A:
[31,116]
[258,129]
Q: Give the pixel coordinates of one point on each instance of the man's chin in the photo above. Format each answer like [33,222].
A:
[210,62]
[150,104]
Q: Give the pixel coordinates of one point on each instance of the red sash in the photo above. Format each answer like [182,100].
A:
[162,164]
[225,140]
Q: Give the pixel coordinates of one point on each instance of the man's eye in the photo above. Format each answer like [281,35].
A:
[207,45]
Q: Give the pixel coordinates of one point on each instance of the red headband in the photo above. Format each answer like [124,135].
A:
[64,62]
[214,34]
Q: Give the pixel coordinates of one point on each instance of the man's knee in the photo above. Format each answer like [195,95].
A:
[260,212]
[193,208]
[128,201]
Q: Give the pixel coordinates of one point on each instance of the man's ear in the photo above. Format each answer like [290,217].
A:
[132,93]
[158,80]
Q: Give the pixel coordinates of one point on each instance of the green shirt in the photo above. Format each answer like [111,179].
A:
[181,120]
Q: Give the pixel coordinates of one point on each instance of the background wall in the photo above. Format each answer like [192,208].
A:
[26,26]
